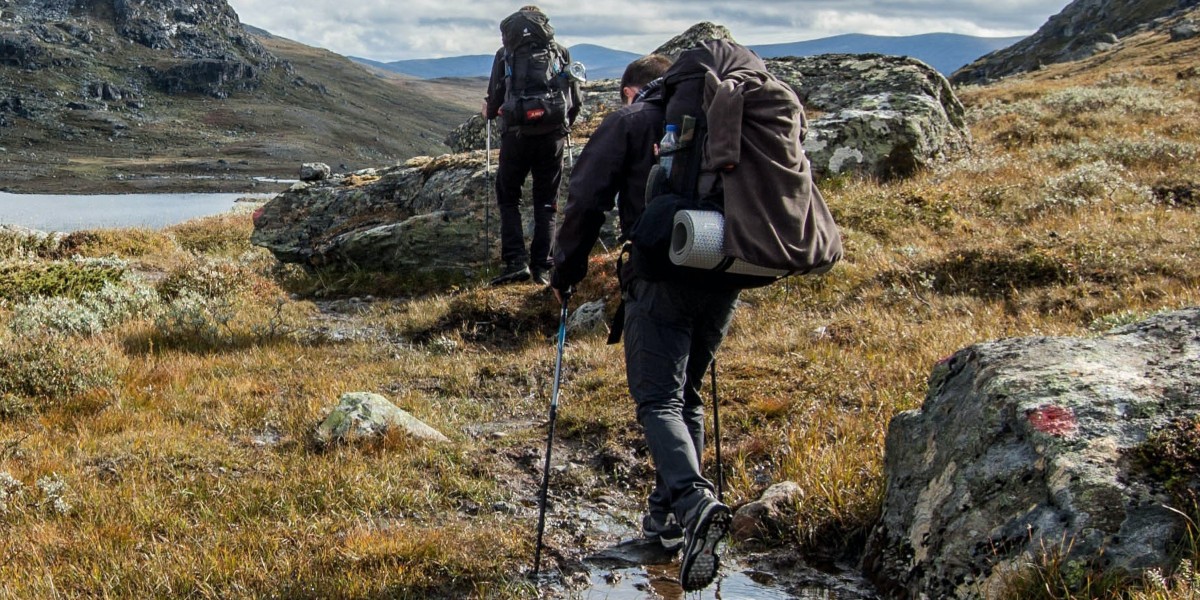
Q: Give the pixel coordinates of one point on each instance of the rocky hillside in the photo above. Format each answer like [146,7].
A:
[1084,28]
[102,95]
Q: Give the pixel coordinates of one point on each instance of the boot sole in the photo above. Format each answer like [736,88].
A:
[700,558]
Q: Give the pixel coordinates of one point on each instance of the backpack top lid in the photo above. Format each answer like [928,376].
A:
[684,81]
[721,57]
[526,27]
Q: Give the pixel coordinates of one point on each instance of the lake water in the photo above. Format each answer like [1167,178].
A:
[51,212]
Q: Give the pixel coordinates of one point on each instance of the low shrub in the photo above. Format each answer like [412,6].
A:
[71,279]
[220,234]
[45,368]
[124,243]
[206,277]
[92,313]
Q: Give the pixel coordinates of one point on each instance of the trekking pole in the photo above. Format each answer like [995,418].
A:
[487,205]
[570,154]
[717,433]
[562,338]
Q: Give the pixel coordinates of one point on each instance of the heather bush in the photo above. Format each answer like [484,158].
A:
[126,243]
[195,318]
[11,491]
[1026,110]
[50,368]
[92,313]
[1089,184]
[54,492]
[1132,100]
[221,234]
[206,277]
[1151,150]
[25,244]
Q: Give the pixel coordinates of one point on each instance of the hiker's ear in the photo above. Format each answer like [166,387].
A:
[628,93]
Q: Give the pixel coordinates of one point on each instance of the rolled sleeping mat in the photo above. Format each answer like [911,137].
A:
[698,241]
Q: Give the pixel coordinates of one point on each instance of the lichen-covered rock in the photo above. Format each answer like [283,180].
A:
[588,318]
[314,171]
[1025,447]
[872,114]
[427,215]
[696,34]
[365,416]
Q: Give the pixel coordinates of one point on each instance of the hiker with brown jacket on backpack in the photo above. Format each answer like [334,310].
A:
[672,329]
[530,90]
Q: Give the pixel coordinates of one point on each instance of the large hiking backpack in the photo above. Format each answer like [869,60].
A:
[537,91]
[739,208]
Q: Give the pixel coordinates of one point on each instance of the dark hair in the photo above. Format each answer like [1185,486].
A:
[644,70]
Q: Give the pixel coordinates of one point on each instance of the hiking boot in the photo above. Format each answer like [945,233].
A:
[513,273]
[540,276]
[707,524]
[663,528]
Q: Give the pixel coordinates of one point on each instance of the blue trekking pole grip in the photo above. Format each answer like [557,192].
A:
[562,339]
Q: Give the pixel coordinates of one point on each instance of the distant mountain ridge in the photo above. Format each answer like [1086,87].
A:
[945,52]
[1084,28]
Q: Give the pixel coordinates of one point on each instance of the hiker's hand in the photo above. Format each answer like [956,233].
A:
[483,111]
[563,295]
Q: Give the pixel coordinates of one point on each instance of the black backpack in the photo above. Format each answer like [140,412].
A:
[537,90]
[739,209]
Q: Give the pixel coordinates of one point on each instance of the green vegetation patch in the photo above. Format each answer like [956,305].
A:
[72,279]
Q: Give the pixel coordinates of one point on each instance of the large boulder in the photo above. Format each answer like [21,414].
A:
[428,215]
[1031,446]
[873,114]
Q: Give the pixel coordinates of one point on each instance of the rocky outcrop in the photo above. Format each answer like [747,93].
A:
[1035,446]
[203,47]
[21,50]
[877,115]
[1082,29]
[428,215]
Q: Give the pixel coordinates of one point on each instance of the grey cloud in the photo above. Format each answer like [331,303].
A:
[386,30]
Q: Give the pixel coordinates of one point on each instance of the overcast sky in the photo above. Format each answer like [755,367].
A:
[390,30]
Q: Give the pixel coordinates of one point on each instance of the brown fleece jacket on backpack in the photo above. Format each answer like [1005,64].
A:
[756,126]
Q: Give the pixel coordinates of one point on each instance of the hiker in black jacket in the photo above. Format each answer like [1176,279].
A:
[672,329]
[526,150]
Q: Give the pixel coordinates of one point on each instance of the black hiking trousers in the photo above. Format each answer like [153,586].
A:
[520,156]
[672,331]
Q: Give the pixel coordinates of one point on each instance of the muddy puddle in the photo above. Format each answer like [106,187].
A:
[631,568]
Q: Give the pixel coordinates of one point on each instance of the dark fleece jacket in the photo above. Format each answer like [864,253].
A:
[615,162]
